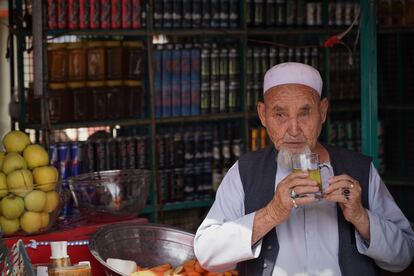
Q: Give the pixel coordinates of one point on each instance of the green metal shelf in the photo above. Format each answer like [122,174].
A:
[142,32]
[207,32]
[396,107]
[131,122]
[147,210]
[187,205]
[99,32]
[197,32]
[395,29]
[201,118]
[294,31]
[123,122]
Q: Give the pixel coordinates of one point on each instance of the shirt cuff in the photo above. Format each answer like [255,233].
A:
[363,246]
[248,221]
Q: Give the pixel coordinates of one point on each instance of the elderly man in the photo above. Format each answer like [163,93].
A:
[265,218]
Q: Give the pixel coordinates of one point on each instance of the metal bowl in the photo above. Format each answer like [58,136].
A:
[110,195]
[147,244]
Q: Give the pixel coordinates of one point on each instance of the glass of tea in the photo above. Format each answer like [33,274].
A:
[309,162]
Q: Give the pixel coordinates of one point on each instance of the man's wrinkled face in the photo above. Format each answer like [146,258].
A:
[293,115]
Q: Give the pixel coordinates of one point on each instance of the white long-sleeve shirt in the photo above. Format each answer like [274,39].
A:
[308,239]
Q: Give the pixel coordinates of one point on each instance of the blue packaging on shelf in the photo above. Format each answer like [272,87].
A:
[53,154]
[176,80]
[75,158]
[186,80]
[63,156]
[195,81]
[157,61]
[166,81]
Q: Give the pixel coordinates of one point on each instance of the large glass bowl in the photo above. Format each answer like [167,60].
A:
[110,195]
[145,243]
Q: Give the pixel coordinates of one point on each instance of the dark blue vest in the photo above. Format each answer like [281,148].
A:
[258,171]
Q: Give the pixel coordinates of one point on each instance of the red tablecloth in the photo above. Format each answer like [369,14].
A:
[78,253]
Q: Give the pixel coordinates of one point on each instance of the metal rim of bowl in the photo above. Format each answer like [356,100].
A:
[104,229]
[92,177]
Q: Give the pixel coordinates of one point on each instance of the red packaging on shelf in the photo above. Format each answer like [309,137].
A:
[126,14]
[62,14]
[105,14]
[84,14]
[136,14]
[116,12]
[95,14]
[51,14]
[73,14]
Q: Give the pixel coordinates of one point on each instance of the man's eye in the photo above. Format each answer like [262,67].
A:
[304,113]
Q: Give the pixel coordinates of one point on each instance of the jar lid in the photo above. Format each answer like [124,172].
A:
[133,44]
[57,86]
[75,45]
[132,83]
[56,46]
[95,83]
[112,43]
[113,83]
[76,84]
[95,44]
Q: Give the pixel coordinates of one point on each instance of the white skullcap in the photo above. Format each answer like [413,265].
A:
[292,72]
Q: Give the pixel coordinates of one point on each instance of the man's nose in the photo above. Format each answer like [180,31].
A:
[293,128]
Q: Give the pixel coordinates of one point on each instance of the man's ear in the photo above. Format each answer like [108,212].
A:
[261,110]
[323,107]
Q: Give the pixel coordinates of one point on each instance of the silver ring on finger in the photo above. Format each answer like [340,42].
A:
[295,205]
[346,192]
[293,194]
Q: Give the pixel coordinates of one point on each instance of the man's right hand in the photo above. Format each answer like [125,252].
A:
[279,208]
[298,183]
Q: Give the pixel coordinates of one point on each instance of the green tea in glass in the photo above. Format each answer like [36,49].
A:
[309,162]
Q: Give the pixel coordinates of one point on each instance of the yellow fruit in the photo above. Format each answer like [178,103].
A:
[30,222]
[52,201]
[2,155]
[13,161]
[35,201]
[3,185]
[15,141]
[9,226]
[20,182]
[35,156]
[12,206]
[44,219]
[45,178]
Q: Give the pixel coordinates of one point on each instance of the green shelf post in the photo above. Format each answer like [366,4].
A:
[369,97]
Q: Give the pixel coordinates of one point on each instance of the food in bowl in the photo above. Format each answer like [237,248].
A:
[189,268]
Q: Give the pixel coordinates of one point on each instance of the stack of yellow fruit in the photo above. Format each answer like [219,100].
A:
[27,185]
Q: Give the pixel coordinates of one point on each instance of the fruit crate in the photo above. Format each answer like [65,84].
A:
[15,261]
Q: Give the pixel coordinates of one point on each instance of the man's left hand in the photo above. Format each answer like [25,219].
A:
[347,192]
